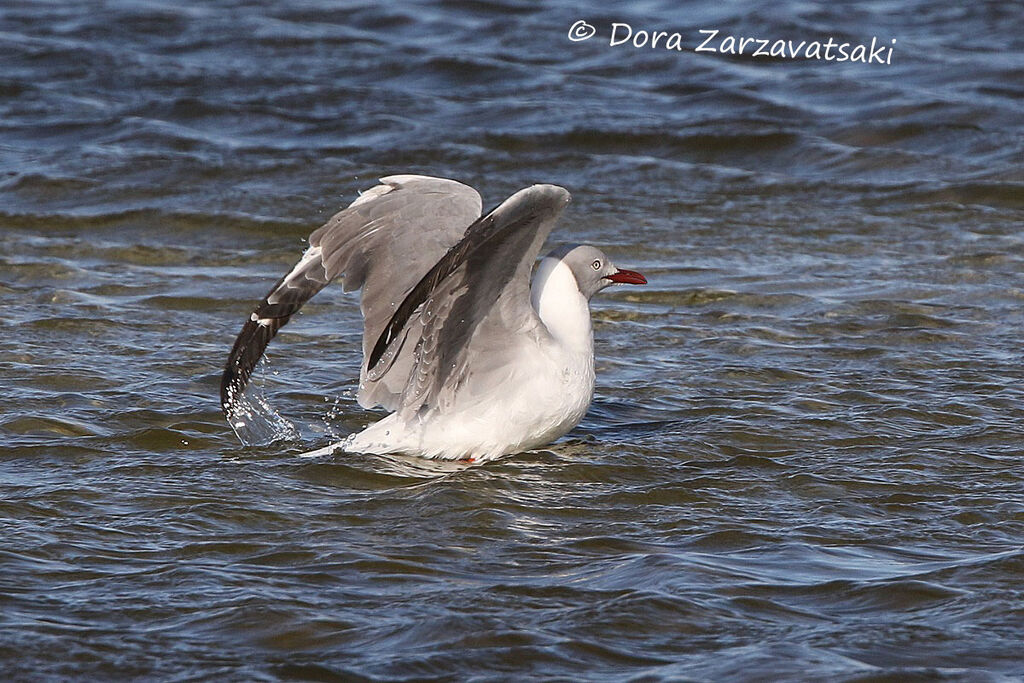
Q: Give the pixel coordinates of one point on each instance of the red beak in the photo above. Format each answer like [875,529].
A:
[628,277]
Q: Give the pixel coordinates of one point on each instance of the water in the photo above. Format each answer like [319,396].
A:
[804,457]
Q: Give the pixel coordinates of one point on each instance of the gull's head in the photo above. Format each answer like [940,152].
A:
[593,270]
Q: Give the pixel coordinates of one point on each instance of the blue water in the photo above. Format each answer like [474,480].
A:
[803,460]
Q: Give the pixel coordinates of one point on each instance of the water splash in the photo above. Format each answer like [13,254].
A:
[254,421]
[336,413]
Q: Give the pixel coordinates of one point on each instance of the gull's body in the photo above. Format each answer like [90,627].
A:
[473,360]
[525,395]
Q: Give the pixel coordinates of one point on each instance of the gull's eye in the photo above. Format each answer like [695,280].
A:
[596,265]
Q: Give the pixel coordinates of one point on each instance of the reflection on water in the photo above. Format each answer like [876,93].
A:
[803,457]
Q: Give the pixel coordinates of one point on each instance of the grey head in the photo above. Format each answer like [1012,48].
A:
[593,270]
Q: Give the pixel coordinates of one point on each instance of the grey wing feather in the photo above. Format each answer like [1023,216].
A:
[383,242]
[481,283]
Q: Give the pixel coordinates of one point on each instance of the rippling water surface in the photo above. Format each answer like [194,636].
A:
[804,457]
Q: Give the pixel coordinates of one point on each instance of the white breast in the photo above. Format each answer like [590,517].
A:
[565,312]
[561,306]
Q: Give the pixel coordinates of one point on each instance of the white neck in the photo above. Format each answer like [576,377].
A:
[561,306]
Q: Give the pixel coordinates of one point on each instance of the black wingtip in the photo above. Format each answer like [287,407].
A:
[226,381]
[285,298]
[252,341]
[236,374]
[232,384]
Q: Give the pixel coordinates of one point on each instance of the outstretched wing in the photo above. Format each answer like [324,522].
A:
[475,300]
[383,242]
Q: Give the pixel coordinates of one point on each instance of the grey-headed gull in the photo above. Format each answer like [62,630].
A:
[473,361]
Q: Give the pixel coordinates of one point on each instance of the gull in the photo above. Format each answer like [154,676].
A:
[471,359]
